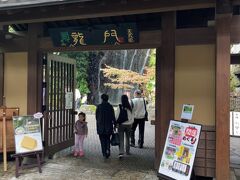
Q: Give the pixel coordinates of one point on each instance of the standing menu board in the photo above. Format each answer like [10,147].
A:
[27,131]
[180,150]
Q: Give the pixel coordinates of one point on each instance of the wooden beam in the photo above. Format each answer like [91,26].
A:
[235,29]
[34,70]
[40,81]
[14,45]
[188,36]
[235,2]
[191,36]
[147,40]
[165,69]
[98,9]
[1,79]
[223,23]
[223,6]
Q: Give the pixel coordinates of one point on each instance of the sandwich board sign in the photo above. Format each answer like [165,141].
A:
[179,150]
[27,133]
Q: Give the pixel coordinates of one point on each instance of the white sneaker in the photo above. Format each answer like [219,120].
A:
[120,156]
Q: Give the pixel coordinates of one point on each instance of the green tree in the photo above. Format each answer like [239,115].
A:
[151,69]
[126,79]
[82,65]
[234,81]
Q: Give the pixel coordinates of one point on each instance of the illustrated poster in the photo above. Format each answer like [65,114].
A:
[27,133]
[180,150]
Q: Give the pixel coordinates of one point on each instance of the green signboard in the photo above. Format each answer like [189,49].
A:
[111,34]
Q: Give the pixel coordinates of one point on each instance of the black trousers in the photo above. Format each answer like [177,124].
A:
[105,144]
[141,127]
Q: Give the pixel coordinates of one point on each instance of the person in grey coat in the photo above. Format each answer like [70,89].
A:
[105,123]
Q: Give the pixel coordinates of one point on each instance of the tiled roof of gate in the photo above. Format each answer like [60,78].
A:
[15,4]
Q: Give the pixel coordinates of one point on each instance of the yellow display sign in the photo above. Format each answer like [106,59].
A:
[27,130]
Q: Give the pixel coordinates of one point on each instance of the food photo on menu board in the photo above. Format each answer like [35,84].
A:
[27,133]
[180,150]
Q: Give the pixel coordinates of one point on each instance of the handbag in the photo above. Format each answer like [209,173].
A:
[146,113]
[115,141]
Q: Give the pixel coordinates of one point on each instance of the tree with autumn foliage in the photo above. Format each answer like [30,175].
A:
[127,79]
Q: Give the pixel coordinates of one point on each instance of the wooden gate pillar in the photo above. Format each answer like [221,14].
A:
[223,23]
[222,96]
[165,68]
[34,69]
[1,79]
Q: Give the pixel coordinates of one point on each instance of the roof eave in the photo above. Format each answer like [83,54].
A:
[22,5]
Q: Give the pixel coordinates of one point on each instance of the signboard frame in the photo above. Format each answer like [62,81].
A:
[181,151]
[27,128]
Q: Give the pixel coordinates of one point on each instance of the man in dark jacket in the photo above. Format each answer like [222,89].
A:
[105,121]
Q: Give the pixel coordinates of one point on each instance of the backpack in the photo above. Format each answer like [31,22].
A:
[123,116]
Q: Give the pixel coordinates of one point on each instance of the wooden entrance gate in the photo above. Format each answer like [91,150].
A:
[59,75]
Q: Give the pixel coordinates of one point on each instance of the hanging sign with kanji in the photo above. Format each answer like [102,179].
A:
[110,34]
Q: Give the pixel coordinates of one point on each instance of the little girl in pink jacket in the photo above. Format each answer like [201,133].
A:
[81,131]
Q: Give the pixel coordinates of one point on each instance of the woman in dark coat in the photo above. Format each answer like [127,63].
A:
[105,121]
